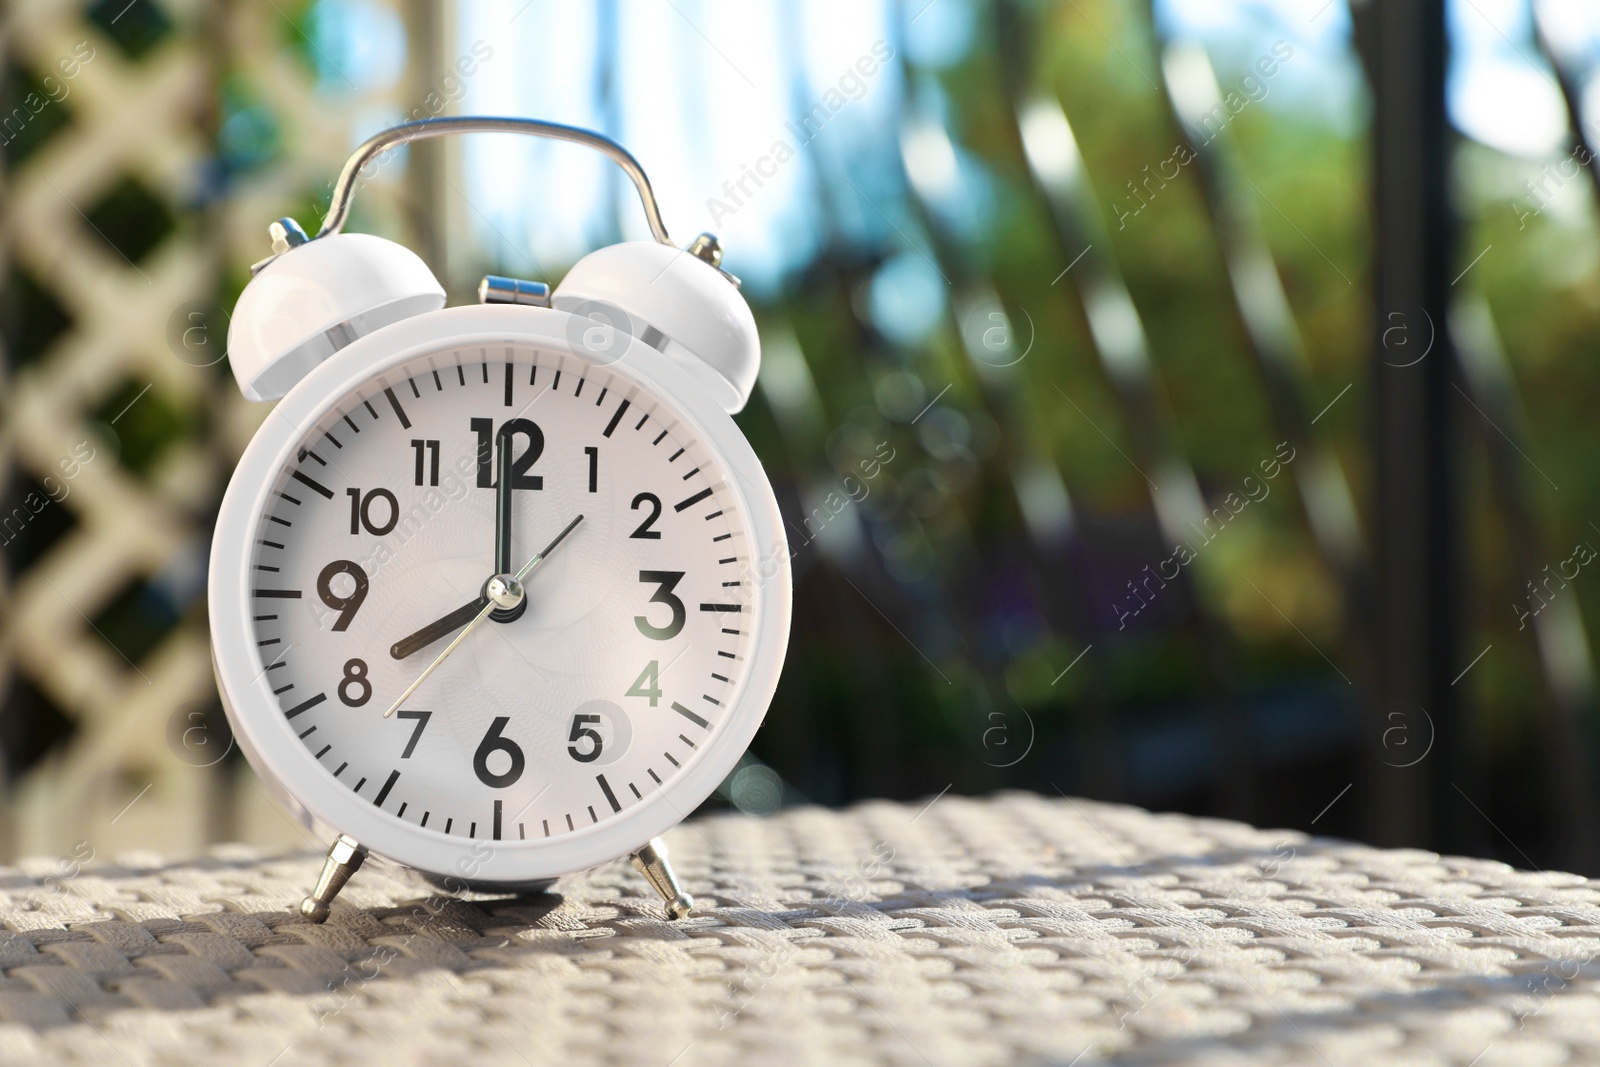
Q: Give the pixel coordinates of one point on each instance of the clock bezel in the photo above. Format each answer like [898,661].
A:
[268,739]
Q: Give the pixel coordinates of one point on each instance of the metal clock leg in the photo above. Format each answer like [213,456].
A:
[344,859]
[651,861]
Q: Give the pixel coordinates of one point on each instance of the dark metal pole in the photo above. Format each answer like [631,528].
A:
[1418,544]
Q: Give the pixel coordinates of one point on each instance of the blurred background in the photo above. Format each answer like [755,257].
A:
[1185,403]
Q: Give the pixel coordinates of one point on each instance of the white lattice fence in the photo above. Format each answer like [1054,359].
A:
[146,121]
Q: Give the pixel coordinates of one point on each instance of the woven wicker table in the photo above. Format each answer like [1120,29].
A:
[1011,930]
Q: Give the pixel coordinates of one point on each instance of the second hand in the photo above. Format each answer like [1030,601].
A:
[501,594]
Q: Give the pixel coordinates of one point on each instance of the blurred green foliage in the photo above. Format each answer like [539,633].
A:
[923,609]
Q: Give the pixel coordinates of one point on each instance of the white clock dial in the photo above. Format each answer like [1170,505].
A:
[634,642]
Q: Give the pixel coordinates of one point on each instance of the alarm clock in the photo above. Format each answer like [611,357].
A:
[498,592]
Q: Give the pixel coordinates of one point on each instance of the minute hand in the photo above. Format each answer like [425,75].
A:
[483,613]
[504,484]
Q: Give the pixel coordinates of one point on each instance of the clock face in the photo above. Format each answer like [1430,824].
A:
[632,644]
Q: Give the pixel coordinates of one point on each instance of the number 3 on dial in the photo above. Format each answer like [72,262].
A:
[665,582]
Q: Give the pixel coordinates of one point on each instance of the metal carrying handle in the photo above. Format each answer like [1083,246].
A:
[422,129]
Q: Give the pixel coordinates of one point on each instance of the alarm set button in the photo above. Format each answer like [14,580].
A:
[495,289]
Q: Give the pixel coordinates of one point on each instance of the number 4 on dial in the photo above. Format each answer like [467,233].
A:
[648,684]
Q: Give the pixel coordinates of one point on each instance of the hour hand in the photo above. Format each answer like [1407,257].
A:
[437,629]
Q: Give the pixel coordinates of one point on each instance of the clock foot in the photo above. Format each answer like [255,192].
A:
[651,861]
[344,859]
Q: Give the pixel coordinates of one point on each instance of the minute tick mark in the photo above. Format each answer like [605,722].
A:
[394,402]
[611,798]
[690,502]
[306,480]
[616,418]
[691,716]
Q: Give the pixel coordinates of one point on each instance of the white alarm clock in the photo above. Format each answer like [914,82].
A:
[498,592]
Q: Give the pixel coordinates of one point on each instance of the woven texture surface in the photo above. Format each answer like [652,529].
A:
[1016,929]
